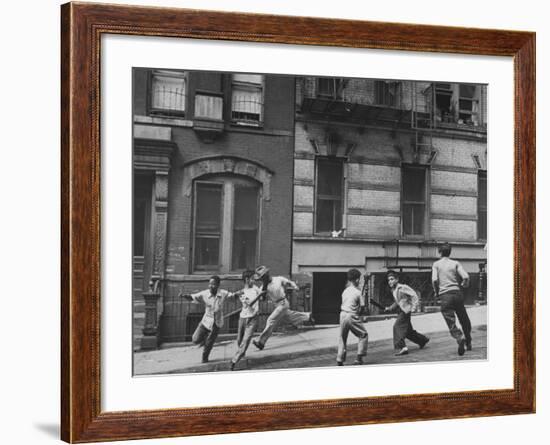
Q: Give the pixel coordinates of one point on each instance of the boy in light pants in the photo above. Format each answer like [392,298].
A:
[352,303]
[275,288]
[248,320]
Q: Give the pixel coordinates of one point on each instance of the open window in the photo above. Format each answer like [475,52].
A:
[458,103]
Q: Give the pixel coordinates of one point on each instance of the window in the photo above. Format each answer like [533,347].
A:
[247,99]
[330,87]
[168,92]
[329,195]
[457,103]
[226,224]
[468,105]
[413,193]
[208,225]
[482,204]
[443,102]
[387,93]
[245,227]
[208,106]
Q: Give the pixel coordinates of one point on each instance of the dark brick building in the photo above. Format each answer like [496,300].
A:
[213,170]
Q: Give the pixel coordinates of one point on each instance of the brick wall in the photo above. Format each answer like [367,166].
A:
[373,182]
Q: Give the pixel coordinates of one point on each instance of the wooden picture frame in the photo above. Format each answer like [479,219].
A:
[82,26]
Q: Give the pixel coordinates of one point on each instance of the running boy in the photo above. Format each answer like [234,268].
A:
[406,301]
[448,279]
[248,320]
[212,320]
[275,288]
[352,303]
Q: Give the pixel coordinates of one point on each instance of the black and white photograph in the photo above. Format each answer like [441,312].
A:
[293,221]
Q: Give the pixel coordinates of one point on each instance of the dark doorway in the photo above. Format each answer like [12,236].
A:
[327,296]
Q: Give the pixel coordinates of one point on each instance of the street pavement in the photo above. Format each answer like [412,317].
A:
[317,346]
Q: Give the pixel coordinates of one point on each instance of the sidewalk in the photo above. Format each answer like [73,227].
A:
[283,346]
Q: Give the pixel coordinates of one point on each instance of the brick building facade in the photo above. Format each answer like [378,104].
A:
[309,176]
[384,171]
[213,166]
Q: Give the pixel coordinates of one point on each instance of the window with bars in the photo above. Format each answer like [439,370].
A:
[226,224]
[413,200]
[168,92]
[329,195]
[247,107]
[482,205]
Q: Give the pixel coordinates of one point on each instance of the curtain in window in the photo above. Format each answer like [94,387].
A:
[168,91]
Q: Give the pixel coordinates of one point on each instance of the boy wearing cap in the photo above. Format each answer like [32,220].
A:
[248,320]
[406,301]
[448,279]
[275,288]
[212,320]
[352,302]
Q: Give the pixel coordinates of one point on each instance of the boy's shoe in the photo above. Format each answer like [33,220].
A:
[232,367]
[461,347]
[424,343]
[257,344]
[403,351]
[340,363]
[358,361]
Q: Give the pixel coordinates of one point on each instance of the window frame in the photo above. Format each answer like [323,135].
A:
[426,202]
[166,112]
[482,174]
[228,184]
[261,86]
[337,94]
[318,160]
[206,268]
[387,85]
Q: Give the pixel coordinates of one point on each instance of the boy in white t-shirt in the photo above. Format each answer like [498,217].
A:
[248,320]
[352,303]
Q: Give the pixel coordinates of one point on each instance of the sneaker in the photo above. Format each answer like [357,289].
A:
[403,351]
[232,367]
[358,361]
[424,343]
[340,363]
[461,347]
[257,344]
